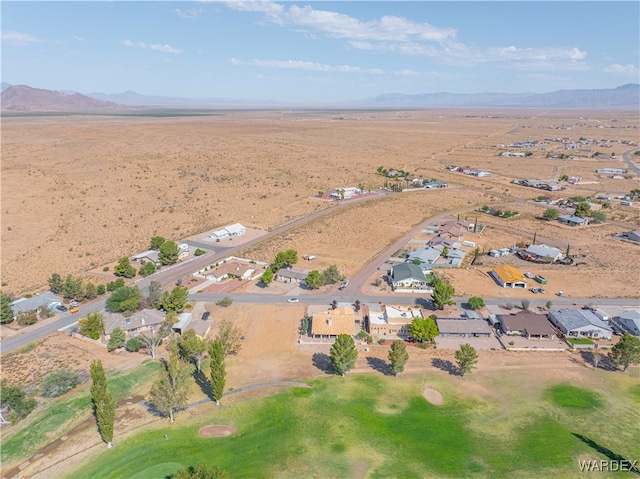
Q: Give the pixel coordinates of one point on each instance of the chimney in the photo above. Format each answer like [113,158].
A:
[330,322]
[238,267]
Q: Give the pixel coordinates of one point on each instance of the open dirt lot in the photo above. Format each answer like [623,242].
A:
[82,191]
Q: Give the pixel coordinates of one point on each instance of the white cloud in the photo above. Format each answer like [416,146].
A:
[130,44]
[302,65]
[19,38]
[164,48]
[191,13]
[621,69]
[158,47]
[256,6]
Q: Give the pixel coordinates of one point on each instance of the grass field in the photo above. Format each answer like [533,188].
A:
[52,419]
[372,426]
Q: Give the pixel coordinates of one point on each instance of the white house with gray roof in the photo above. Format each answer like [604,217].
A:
[407,276]
[542,251]
[630,321]
[573,220]
[47,299]
[425,255]
[579,323]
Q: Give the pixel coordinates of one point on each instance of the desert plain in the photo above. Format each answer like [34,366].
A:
[82,191]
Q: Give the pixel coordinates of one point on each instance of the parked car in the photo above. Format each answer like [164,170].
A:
[74,304]
[62,308]
[344,284]
[528,275]
[540,279]
[542,290]
[534,290]
[292,300]
[206,315]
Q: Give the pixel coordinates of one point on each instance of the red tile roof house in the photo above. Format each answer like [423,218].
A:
[231,269]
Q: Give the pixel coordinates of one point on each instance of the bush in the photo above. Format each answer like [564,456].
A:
[199,252]
[116,340]
[27,318]
[134,344]
[58,383]
[382,341]
[225,302]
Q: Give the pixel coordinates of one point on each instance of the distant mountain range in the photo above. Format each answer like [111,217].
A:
[24,98]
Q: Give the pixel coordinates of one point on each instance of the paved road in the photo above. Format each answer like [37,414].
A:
[626,156]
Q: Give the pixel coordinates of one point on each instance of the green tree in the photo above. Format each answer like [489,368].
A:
[599,216]
[550,214]
[168,252]
[44,312]
[192,348]
[6,310]
[626,351]
[398,356]
[72,286]
[445,251]
[285,258]
[332,275]
[343,354]
[549,304]
[58,382]
[124,299]
[55,283]
[442,293]
[175,300]
[314,279]
[147,269]
[525,303]
[113,285]
[27,318]
[267,276]
[100,290]
[104,407]
[157,242]
[201,471]
[218,371]
[199,252]
[230,336]
[90,291]
[124,268]
[423,329]
[476,302]
[116,339]
[154,295]
[170,393]
[582,210]
[16,401]
[305,323]
[134,344]
[466,357]
[93,325]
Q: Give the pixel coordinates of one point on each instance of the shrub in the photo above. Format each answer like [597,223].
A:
[116,340]
[225,302]
[58,383]
[105,269]
[26,318]
[382,341]
[134,344]
[199,252]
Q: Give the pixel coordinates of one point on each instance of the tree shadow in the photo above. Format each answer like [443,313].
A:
[203,383]
[608,453]
[424,303]
[323,363]
[379,365]
[586,356]
[445,365]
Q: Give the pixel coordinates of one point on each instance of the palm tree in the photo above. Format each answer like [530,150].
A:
[357,305]
[334,305]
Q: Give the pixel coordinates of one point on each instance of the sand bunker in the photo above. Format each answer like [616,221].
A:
[433,396]
[216,431]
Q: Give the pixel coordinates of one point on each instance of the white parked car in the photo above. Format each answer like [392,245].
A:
[528,275]
[292,300]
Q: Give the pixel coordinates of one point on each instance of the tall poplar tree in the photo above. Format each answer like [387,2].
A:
[218,371]
[104,407]
[170,393]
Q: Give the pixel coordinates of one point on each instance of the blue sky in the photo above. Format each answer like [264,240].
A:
[319,52]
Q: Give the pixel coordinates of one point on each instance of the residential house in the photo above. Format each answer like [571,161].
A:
[345,193]
[611,171]
[235,229]
[387,321]
[526,324]
[200,326]
[183,321]
[544,252]
[630,321]
[232,269]
[442,241]
[463,328]
[632,235]
[329,324]
[573,220]
[48,300]
[435,184]
[133,325]
[579,323]
[151,255]
[508,276]
[407,276]
[291,275]
[452,231]
[425,255]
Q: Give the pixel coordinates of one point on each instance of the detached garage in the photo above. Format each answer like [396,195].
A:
[508,277]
